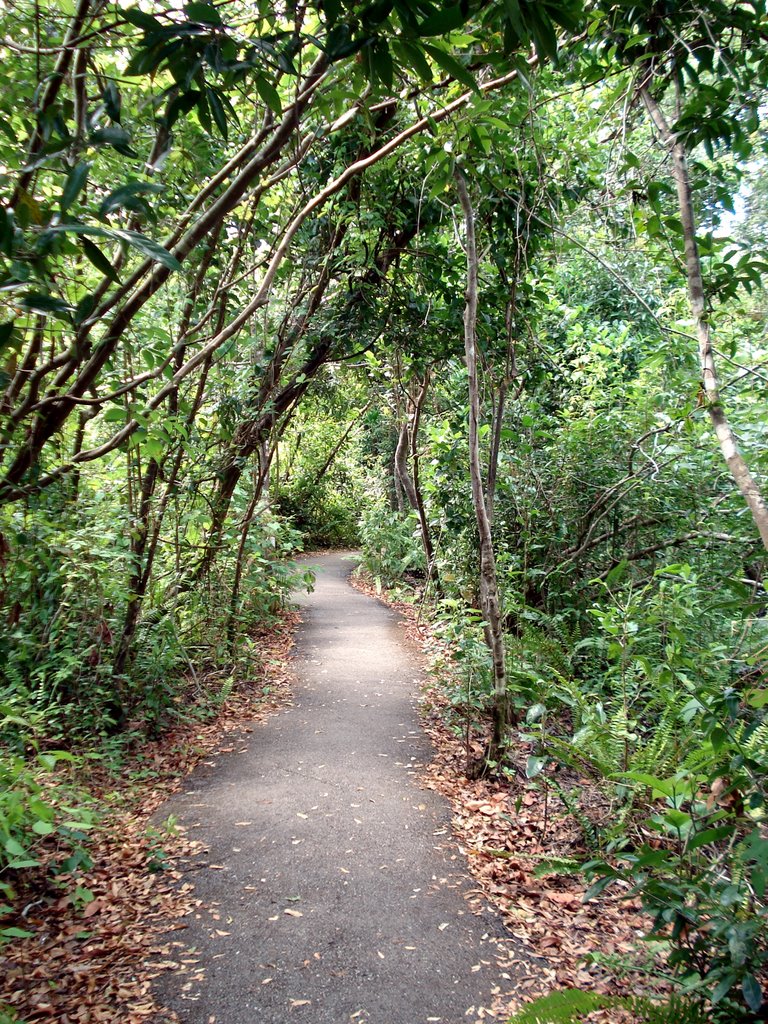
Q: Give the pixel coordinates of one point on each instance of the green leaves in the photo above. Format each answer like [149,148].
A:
[141,19]
[148,247]
[115,136]
[451,65]
[45,305]
[269,94]
[180,104]
[130,197]
[443,20]
[380,63]
[340,43]
[98,259]
[203,12]
[142,243]
[218,112]
[411,55]
[15,933]
[73,186]
[112,102]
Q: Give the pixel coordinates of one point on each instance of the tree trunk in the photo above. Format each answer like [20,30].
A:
[489,591]
[136,586]
[426,536]
[234,601]
[696,295]
[407,444]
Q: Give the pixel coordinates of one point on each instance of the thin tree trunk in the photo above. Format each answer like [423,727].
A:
[696,295]
[493,456]
[489,591]
[401,463]
[260,490]
[407,444]
[426,536]
[235,597]
[77,444]
[135,588]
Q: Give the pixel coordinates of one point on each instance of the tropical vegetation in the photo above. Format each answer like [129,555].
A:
[475,286]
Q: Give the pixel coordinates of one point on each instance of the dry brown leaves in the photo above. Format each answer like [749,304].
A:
[508,826]
[97,940]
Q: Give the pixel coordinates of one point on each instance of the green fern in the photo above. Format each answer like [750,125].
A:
[549,647]
[661,753]
[754,739]
[570,1005]
[557,866]
[677,1010]
[562,1007]
[604,736]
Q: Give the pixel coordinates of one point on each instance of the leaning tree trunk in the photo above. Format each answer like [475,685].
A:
[489,591]
[723,430]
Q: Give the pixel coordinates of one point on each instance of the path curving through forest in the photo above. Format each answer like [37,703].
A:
[332,890]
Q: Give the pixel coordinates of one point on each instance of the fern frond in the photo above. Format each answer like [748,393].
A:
[562,1007]
[661,753]
[570,1005]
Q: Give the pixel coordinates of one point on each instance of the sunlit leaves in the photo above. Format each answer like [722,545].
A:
[203,12]
[148,247]
[269,94]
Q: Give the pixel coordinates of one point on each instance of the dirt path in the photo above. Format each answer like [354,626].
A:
[335,892]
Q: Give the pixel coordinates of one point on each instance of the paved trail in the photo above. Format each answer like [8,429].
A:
[339,894]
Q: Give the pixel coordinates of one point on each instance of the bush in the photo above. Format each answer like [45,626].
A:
[391,544]
[44,819]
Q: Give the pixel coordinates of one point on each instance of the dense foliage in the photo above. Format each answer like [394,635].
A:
[233,273]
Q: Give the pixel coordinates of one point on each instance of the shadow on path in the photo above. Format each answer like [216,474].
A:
[333,889]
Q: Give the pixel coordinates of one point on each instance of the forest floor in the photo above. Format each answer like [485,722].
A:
[326,863]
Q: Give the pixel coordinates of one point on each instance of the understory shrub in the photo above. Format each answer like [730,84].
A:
[390,543]
[682,755]
[45,818]
[323,516]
